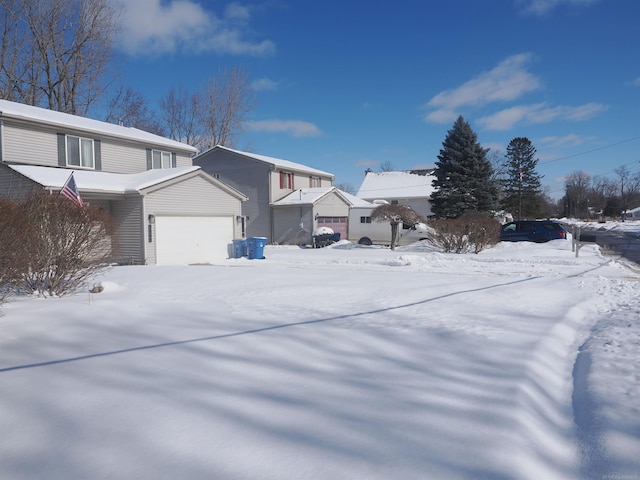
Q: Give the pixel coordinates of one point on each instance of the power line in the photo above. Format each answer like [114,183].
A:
[591,151]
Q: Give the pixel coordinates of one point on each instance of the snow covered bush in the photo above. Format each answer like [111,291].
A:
[472,232]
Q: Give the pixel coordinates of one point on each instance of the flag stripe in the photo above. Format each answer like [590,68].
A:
[70,191]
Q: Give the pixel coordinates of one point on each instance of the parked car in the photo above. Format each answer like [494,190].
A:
[538,231]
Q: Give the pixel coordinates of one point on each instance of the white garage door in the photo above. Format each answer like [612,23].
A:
[185,240]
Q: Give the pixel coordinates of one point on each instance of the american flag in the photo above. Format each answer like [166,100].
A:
[70,191]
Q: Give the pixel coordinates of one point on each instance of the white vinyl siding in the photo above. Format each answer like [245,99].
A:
[32,146]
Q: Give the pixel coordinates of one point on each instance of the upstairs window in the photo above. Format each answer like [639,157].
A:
[80,152]
[286,180]
[160,159]
[315,182]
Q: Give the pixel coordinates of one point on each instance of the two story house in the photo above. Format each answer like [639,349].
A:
[166,210]
[265,180]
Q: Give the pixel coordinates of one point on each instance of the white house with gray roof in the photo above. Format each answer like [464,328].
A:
[264,180]
[413,189]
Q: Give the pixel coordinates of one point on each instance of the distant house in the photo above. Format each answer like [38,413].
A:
[166,210]
[264,180]
[297,215]
[413,189]
[633,214]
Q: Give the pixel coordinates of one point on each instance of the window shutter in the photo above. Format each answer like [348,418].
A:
[62,151]
[149,164]
[281,179]
[97,151]
[310,181]
[292,186]
[174,162]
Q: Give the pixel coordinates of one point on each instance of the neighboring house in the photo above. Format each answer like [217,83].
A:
[633,214]
[413,189]
[166,211]
[264,180]
[297,215]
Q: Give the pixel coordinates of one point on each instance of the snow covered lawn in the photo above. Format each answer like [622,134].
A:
[338,363]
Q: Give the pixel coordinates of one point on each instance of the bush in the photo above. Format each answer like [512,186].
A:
[54,245]
[472,232]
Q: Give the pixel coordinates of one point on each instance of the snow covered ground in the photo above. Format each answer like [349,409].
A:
[346,362]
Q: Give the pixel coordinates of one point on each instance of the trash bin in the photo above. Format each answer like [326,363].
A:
[239,248]
[335,238]
[255,247]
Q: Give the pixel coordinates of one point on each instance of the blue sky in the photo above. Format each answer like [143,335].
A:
[348,85]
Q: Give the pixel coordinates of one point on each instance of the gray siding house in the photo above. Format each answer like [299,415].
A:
[297,215]
[166,210]
[264,180]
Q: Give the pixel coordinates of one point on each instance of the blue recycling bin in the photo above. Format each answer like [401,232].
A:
[239,248]
[255,247]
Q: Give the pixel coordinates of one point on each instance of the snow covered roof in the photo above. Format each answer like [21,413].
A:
[309,196]
[395,185]
[278,162]
[100,182]
[59,119]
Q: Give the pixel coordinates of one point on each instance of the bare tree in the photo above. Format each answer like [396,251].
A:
[129,107]
[629,185]
[226,102]
[386,166]
[346,187]
[395,214]
[55,53]
[576,194]
[179,111]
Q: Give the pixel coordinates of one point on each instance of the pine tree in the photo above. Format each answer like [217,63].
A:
[522,188]
[463,175]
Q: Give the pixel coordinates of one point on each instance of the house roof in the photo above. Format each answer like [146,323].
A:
[100,182]
[309,196]
[275,162]
[64,120]
[382,185]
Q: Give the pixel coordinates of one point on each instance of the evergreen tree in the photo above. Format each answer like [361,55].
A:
[521,184]
[463,175]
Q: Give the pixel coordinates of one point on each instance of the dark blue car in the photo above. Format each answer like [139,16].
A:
[538,231]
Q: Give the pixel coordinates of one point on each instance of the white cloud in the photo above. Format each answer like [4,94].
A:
[506,82]
[540,7]
[263,84]
[636,82]
[296,128]
[159,27]
[539,113]
[571,140]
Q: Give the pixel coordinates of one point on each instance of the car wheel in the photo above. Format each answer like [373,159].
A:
[365,241]
[541,240]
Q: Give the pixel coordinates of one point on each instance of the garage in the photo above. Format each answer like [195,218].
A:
[187,240]
[337,224]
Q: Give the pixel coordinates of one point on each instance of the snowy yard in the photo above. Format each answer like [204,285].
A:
[338,363]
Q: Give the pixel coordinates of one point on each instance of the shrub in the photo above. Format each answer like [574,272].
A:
[472,232]
[61,245]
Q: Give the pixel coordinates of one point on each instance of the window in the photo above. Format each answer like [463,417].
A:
[160,159]
[315,182]
[365,219]
[286,180]
[80,152]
